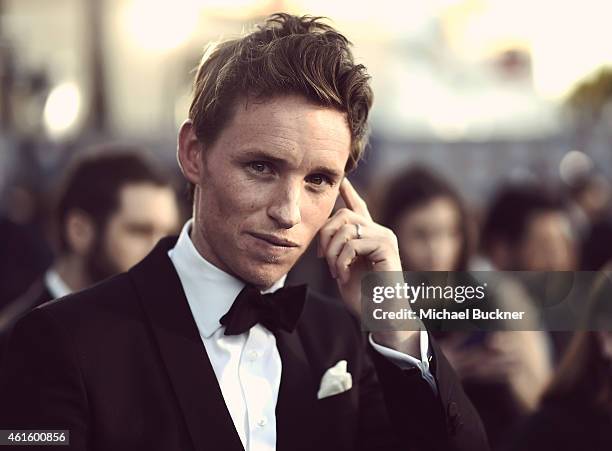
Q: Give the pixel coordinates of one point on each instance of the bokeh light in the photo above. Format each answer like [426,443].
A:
[62,110]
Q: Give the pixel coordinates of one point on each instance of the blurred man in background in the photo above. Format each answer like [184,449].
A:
[112,209]
[528,229]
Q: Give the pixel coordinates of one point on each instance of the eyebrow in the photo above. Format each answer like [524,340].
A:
[256,153]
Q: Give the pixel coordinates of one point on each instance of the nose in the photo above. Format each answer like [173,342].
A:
[284,207]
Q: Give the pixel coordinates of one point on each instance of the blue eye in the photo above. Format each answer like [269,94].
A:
[259,167]
[319,179]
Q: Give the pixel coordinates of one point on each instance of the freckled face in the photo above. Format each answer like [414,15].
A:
[268,184]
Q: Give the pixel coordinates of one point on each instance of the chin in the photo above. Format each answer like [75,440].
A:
[263,274]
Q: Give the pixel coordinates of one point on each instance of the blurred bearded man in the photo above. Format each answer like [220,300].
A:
[112,208]
[201,346]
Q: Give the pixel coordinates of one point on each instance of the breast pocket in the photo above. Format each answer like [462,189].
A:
[347,400]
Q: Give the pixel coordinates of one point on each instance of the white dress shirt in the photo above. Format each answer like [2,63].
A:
[248,366]
[55,284]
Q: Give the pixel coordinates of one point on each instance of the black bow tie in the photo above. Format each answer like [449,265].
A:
[278,310]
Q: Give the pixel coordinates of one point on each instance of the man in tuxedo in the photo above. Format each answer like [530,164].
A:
[199,346]
[112,208]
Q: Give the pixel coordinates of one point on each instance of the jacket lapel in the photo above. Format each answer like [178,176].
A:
[295,408]
[182,351]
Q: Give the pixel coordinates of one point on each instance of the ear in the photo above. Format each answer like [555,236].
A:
[189,153]
[80,232]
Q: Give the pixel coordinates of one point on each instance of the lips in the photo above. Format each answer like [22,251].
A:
[275,240]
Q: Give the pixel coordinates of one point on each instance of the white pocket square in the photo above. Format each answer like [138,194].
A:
[335,380]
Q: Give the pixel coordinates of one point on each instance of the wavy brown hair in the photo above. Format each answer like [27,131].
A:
[284,56]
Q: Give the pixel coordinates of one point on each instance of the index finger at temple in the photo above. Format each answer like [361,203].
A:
[352,199]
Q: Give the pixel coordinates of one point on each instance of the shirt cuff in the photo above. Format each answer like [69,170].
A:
[405,361]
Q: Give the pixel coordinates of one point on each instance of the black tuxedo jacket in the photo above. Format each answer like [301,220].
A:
[122,366]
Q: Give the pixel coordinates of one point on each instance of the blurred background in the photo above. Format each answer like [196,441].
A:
[491,129]
[480,89]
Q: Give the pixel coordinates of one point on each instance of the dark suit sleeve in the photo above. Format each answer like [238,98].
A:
[422,419]
[41,386]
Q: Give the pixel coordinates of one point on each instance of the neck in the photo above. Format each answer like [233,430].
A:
[205,251]
[71,270]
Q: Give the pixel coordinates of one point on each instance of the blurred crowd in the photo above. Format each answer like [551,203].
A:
[529,386]
[525,227]
[113,203]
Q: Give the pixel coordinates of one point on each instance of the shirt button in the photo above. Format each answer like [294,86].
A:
[262,422]
[252,355]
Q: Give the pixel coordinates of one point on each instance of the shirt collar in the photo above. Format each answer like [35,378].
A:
[56,286]
[210,291]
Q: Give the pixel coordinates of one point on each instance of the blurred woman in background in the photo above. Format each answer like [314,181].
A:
[576,408]
[502,372]
[430,222]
